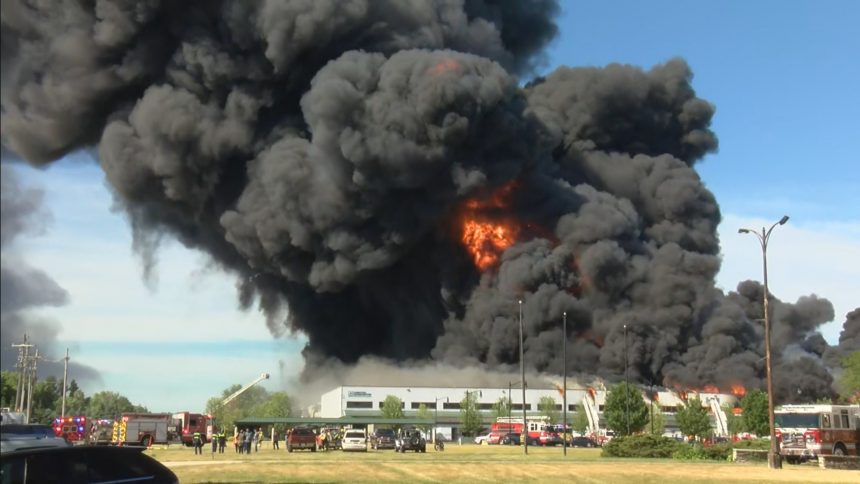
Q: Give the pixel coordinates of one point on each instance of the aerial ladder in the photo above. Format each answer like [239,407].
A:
[719,417]
[589,403]
[234,395]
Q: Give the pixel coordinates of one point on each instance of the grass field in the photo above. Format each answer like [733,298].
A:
[470,463]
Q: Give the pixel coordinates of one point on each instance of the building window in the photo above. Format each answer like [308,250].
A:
[668,409]
[451,406]
[519,406]
[417,405]
[600,408]
[485,406]
[352,404]
[573,408]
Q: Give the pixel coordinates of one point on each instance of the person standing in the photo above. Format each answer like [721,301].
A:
[275,445]
[249,437]
[198,445]
[236,440]
[222,441]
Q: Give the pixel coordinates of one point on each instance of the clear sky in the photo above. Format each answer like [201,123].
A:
[783,76]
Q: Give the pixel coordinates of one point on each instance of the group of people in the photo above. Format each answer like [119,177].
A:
[246,438]
[219,441]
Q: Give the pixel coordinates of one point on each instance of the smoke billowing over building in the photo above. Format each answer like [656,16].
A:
[389,179]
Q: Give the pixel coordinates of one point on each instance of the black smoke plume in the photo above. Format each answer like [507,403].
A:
[331,155]
[23,287]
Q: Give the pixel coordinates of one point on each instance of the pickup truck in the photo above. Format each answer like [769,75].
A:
[301,438]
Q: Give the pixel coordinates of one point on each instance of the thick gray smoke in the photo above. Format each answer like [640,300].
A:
[23,287]
[340,158]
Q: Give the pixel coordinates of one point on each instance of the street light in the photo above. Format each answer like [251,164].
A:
[774,461]
[626,384]
[564,397]
[523,381]
[436,417]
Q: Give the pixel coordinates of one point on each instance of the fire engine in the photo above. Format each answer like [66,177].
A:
[188,423]
[144,429]
[540,430]
[807,431]
[74,429]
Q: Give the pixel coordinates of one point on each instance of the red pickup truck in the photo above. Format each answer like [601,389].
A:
[301,438]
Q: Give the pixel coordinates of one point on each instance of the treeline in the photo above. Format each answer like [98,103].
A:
[47,400]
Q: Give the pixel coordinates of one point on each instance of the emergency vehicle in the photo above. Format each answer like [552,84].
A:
[74,429]
[808,431]
[188,423]
[540,430]
[144,429]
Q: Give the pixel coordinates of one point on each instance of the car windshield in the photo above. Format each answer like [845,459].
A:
[354,435]
[302,432]
[797,420]
[385,432]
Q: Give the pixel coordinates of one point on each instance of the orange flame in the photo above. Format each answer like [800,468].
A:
[484,233]
[738,390]
[443,66]
[738,411]
[710,389]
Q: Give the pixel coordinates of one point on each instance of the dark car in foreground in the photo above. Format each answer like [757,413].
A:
[510,438]
[582,442]
[383,439]
[82,464]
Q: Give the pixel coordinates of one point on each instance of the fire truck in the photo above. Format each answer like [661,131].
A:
[188,423]
[540,430]
[808,431]
[74,429]
[145,429]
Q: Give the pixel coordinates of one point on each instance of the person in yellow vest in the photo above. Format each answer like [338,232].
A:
[197,440]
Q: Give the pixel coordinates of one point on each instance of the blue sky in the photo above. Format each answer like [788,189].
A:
[782,75]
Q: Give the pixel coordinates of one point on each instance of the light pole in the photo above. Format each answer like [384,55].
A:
[523,381]
[626,384]
[774,460]
[564,397]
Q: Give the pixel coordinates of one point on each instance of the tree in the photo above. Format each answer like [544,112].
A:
[502,408]
[424,412]
[849,382]
[616,410]
[8,388]
[111,405]
[392,407]
[693,419]
[547,406]
[245,405]
[755,418]
[579,421]
[46,401]
[735,423]
[470,418]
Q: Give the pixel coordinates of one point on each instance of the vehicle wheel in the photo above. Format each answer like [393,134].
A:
[314,449]
[146,441]
[289,449]
[792,460]
[839,450]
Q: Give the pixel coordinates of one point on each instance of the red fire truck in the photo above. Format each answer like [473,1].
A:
[144,429]
[540,430]
[74,429]
[807,431]
[187,423]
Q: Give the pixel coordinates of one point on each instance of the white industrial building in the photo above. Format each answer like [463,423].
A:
[444,403]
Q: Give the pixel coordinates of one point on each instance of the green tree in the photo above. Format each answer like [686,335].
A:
[620,401]
[658,421]
[547,406]
[424,412]
[470,417]
[693,419]
[849,382]
[502,408]
[8,388]
[579,421]
[735,423]
[46,401]
[755,417]
[392,407]
[245,405]
[111,405]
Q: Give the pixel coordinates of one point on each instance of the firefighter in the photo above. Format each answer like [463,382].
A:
[198,443]
[214,440]
[275,437]
[222,441]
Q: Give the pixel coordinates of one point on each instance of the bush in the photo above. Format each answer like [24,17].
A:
[641,446]
[690,452]
[752,444]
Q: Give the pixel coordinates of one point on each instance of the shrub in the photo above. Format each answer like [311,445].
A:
[641,446]
[752,444]
[690,452]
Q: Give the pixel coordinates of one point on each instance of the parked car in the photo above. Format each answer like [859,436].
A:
[510,438]
[28,436]
[410,440]
[354,439]
[483,439]
[82,463]
[383,439]
[582,442]
[301,438]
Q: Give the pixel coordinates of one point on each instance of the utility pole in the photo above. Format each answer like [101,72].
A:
[626,383]
[523,381]
[65,379]
[564,397]
[22,365]
[30,377]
